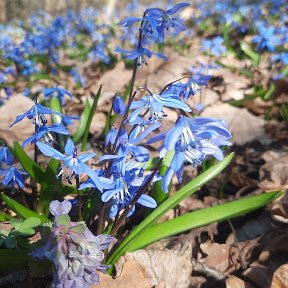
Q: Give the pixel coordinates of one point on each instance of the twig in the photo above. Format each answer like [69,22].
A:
[243,264]
[208,271]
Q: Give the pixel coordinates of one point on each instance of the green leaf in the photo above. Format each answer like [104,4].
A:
[32,168]
[254,56]
[12,259]
[270,92]
[227,39]
[30,222]
[83,120]
[21,210]
[170,203]
[88,123]
[49,188]
[10,242]
[284,112]
[202,217]
[4,217]
[56,106]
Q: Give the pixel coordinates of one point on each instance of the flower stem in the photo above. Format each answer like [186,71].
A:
[33,182]
[79,198]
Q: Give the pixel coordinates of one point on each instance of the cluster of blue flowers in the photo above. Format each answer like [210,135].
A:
[123,174]
[34,46]
[243,17]
[120,177]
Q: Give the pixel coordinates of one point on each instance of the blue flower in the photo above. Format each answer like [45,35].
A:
[191,87]
[127,179]
[266,39]
[99,53]
[283,57]
[75,164]
[118,105]
[214,46]
[44,131]
[192,139]
[5,155]
[157,21]
[75,252]
[155,104]
[13,177]
[36,113]
[56,91]
[140,54]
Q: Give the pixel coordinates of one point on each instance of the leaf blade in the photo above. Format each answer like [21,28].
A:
[202,217]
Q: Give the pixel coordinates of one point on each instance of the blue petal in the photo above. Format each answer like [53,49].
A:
[49,151]
[147,201]
[69,147]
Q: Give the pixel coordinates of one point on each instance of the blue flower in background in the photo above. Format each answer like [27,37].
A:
[282,57]
[13,177]
[99,52]
[58,92]
[214,46]
[157,21]
[192,139]
[73,162]
[267,38]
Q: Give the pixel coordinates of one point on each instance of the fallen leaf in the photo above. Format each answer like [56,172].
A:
[153,268]
[235,282]
[280,277]
[274,175]
[16,105]
[244,126]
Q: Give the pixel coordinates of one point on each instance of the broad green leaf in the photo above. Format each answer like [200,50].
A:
[83,120]
[30,222]
[89,120]
[32,168]
[21,210]
[170,203]
[12,259]
[202,217]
